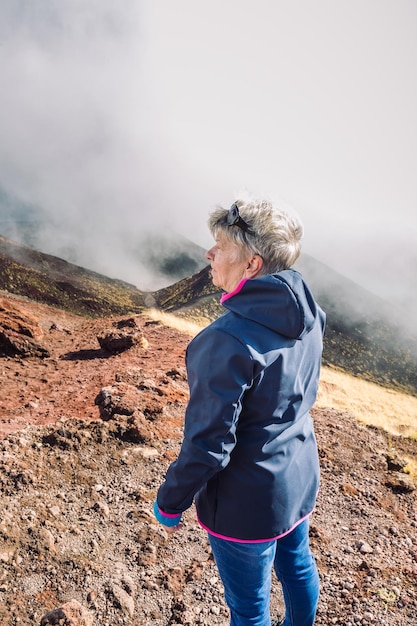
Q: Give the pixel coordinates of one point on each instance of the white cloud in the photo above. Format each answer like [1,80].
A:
[117,115]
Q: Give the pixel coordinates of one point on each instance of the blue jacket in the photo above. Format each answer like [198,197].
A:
[249,454]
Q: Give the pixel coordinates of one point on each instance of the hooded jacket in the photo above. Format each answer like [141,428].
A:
[249,454]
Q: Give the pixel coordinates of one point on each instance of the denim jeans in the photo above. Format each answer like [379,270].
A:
[246,569]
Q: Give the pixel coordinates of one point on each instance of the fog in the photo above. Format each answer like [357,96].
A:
[119,119]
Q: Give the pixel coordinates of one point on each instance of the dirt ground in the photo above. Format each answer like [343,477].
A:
[79,470]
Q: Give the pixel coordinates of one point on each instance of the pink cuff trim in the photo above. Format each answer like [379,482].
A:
[171,515]
[226,296]
[252,540]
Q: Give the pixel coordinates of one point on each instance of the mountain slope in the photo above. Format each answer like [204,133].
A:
[48,279]
[362,336]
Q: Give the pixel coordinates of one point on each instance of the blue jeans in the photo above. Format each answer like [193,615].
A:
[246,569]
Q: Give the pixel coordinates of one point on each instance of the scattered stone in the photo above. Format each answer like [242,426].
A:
[102,508]
[174,579]
[133,376]
[128,583]
[47,539]
[126,323]
[195,571]
[144,452]
[394,462]
[58,327]
[69,614]
[123,599]
[92,595]
[349,489]
[55,511]
[5,557]
[177,373]
[364,547]
[136,429]
[116,400]
[148,555]
[400,483]
[115,342]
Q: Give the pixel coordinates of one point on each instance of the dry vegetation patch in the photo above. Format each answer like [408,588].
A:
[370,403]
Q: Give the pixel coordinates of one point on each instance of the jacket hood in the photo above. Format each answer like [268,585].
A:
[282,302]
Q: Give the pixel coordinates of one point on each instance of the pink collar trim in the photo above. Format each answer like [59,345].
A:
[236,290]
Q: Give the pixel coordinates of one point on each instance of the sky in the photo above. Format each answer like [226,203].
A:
[119,118]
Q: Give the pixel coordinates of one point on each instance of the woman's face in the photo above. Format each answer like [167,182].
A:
[229,264]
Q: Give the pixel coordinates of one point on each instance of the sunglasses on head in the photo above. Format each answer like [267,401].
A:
[234,219]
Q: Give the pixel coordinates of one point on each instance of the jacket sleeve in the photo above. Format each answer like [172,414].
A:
[220,370]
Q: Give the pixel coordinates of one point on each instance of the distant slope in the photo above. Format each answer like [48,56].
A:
[364,335]
[167,255]
[50,280]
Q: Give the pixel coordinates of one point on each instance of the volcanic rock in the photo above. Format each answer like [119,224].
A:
[69,614]
[19,332]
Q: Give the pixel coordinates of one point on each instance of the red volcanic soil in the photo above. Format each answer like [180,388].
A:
[86,436]
[38,391]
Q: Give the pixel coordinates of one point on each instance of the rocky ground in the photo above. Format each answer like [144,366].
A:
[86,436]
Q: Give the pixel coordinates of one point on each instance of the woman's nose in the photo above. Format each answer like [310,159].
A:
[209,254]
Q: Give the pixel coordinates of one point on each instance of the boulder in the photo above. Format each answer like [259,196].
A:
[116,341]
[20,332]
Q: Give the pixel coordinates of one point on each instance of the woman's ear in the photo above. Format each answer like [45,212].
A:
[254,266]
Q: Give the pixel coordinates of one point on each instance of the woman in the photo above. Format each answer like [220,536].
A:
[249,455]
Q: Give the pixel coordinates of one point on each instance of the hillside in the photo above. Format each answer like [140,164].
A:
[86,438]
[365,336]
[362,334]
[45,278]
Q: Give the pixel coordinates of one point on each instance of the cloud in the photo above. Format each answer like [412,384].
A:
[76,122]
[122,117]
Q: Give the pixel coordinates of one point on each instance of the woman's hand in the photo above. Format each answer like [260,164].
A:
[173,529]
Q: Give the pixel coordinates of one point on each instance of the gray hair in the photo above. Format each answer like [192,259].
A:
[273,234]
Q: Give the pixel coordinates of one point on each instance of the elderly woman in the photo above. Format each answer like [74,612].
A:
[249,454]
